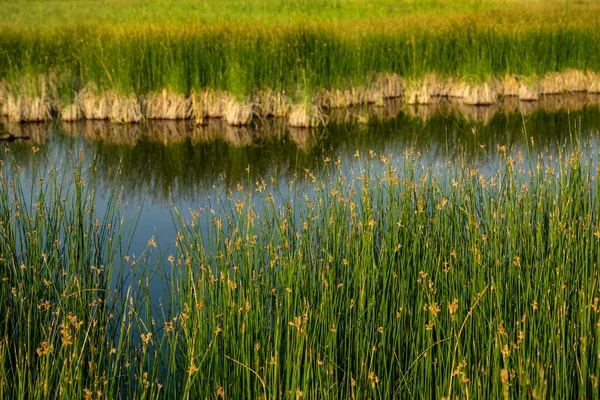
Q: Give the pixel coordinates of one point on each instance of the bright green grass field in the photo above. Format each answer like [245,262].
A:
[35,14]
[297,47]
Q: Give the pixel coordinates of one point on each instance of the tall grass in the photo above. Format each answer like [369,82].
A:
[66,331]
[298,57]
[392,283]
[370,277]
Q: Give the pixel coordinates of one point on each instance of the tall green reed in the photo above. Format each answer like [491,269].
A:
[66,329]
[372,277]
[296,57]
[391,281]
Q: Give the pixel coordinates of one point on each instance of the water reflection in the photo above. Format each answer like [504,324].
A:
[178,160]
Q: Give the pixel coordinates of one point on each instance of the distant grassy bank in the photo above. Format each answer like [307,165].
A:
[61,52]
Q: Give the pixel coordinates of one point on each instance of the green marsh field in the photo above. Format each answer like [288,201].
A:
[127,61]
[363,200]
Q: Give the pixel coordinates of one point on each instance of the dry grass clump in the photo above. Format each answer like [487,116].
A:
[28,109]
[474,94]
[272,104]
[208,104]
[338,98]
[3,98]
[391,85]
[529,91]
[303,116]
[215,103]
[29,98]
[553,83]
[568,81]
[198,108]
[510,86]
[575,81]
[524,89]
[593,82]
[95,105]
[383,87]
[126,110]
[167,105]
[109,106]
[426,90]
[238,114]
[71,113]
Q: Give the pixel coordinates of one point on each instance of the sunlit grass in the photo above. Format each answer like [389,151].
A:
[379,276]
[50,14]
[297,56]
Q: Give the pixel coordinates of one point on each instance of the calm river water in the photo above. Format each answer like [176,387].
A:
[174,162]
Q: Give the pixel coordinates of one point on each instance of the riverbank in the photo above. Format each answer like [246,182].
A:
[172,131]
[209,104]
[295,65]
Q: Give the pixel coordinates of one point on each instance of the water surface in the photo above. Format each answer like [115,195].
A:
[166,163]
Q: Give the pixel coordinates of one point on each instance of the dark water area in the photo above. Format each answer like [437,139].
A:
[165,163]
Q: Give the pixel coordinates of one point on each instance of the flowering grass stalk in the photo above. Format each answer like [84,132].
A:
[376,277]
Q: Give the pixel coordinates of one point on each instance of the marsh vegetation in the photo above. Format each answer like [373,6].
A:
[370,277]
[433,233]
[283,60]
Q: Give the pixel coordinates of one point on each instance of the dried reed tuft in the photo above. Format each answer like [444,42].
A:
[482,94]
[126,110]
[272,104]
[552,83]
[71,113]
[208,104]
[593,82]
[238,114]
[167,105]
[575,81]
[215,103]
[383,87]
[528,92]
[95,105]
[303,116]
[337,98]
[426,90]
[28,109]
[568,81]
[3,99]
[510,86]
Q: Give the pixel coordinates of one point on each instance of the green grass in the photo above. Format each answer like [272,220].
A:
[50,14]
[370,277]
[331,45]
